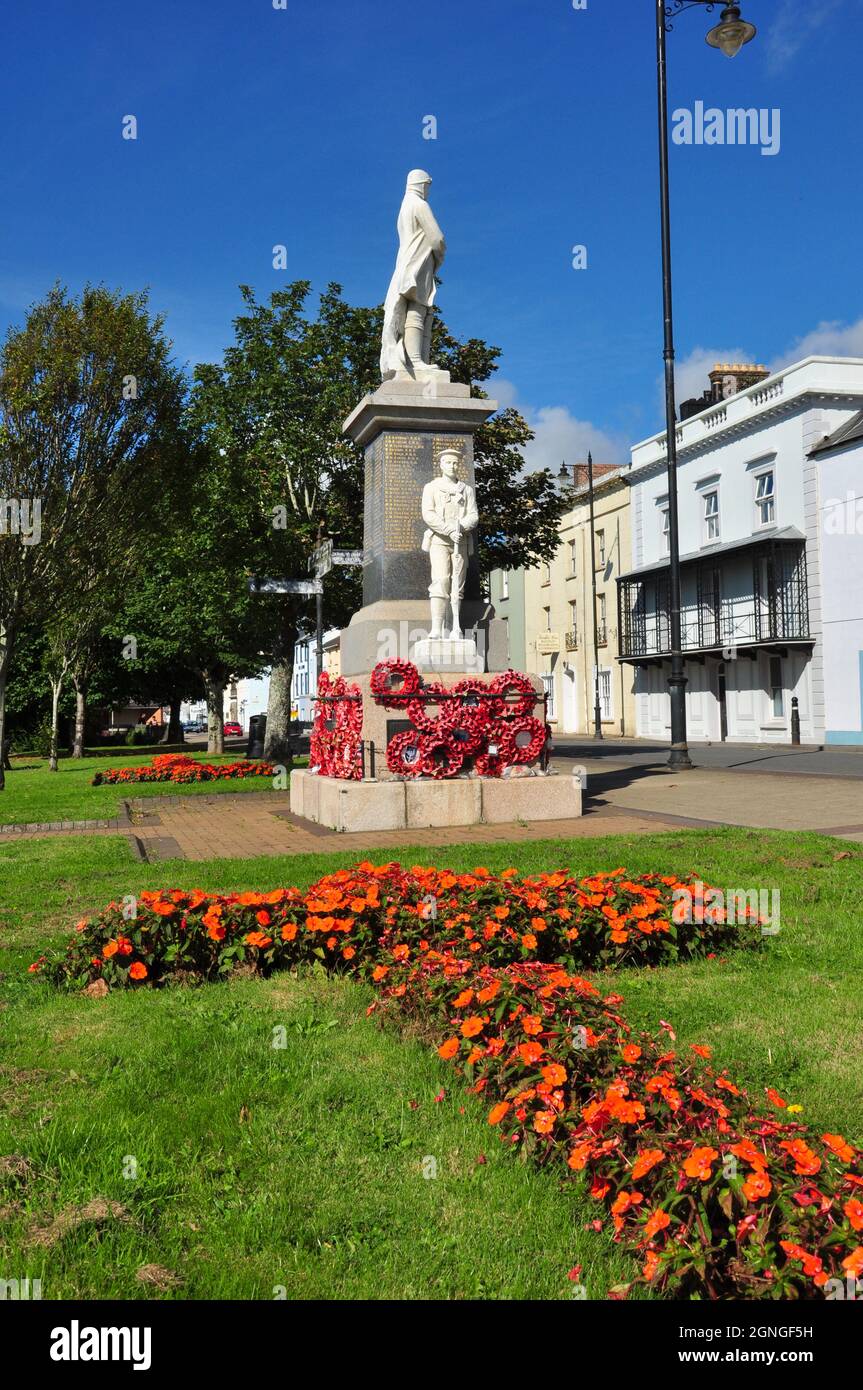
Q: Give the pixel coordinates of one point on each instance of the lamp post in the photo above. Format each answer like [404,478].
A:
[729,35]
[597,708]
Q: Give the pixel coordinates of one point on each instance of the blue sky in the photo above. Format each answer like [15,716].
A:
[259,126]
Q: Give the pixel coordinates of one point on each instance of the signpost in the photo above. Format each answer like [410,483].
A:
[347,557]
[307,587]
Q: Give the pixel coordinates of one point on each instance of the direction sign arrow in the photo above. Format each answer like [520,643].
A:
[285,586]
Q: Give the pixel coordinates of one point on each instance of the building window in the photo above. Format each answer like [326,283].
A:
[504,584]
[765,509]
[777,693]
[547,612]
[600,549]
[572,560]
[665,533]
[605,706]
[548,686]
[546,572]
[572,634]
[711,516]
[602,632]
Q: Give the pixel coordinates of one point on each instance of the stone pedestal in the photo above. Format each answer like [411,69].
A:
[421,804]
[447,654]
[404,427]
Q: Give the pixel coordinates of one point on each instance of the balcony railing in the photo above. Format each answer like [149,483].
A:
[775,609]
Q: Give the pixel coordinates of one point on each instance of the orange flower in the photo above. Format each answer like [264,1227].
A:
[490,992]
[472,1026]
[532,1024]
[853,1209]
[854,1263]
[380,972]
[138,971]
[656,1222]
[544,1122]
[528,941]
[757,1185]
[263,918]
[497,1112]
[289,931]
[258,939]
[401,952]
[109,949]
[554,1074]
[644,1161]
[462,1000]
[839,1146]
[700,1162]
[775,1098]
[348,952]
[701,1050]
[805,1161]
[124,946]
[529,1052]
[630,1053]
[449,1048]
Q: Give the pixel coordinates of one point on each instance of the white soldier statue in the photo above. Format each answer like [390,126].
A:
[406,341]
[450,514]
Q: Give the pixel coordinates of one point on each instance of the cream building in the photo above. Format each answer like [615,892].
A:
[558,612]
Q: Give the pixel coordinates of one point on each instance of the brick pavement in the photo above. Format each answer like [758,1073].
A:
[621,800]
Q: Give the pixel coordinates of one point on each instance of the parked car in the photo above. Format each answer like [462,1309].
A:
[233,731]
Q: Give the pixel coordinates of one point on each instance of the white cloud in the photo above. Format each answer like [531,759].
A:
[560,435]
[792,28]
[691,373]
[829,339]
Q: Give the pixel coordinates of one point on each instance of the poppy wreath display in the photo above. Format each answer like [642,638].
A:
[474,702]
[515,752]
[465,732]
[335,748]
[417,709]
[405,753]
[396,670]
[477,719]
[515,683]
[441,757]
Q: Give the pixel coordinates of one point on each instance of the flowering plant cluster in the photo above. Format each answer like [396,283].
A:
[716,1196]
[487,724]
[180,767]
[335,748]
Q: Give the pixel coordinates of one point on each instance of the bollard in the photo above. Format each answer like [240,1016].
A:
[795,719]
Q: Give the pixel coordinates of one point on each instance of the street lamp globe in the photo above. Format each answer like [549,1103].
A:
[731,33]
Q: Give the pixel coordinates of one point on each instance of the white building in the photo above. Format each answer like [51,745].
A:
[771,599]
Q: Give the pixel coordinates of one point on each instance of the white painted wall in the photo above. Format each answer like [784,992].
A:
[724,447]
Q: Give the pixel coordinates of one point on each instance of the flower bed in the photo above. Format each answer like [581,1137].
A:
[718,1196]
[179,768]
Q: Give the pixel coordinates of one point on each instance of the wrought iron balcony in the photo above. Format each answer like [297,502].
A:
[746,595]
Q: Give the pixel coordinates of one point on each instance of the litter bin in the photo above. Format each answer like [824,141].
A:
[257,731]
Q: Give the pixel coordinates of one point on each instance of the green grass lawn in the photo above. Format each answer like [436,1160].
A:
[34,794]
[301,1167]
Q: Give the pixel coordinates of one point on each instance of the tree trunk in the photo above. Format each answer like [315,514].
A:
[277,740]
[80,718]
[215,713]
[174,732]
[56,687]
[3,757]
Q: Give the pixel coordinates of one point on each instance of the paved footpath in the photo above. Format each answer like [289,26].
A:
[623,798]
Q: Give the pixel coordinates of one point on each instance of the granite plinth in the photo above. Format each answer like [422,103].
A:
[447,654]
[421,804]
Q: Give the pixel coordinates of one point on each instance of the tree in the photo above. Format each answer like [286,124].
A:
[90,405]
